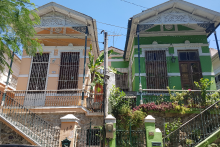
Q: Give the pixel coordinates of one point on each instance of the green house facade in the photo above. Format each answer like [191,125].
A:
[172,40]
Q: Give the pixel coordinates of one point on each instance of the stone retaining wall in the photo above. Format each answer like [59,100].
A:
[162,117]
[9,136]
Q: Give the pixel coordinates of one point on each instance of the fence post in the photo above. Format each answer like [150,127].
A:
[111,119]
[153,136]
[68,129]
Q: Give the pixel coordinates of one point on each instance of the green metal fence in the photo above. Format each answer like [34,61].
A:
[131,138]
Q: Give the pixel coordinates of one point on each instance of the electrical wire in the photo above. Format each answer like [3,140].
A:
[134,4]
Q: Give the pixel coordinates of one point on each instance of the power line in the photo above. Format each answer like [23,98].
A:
[111,25]
[133,4]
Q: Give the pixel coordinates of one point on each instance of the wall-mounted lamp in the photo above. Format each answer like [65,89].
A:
[53,60]
[173,59]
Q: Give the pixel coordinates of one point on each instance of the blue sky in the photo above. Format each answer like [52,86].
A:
[117,12]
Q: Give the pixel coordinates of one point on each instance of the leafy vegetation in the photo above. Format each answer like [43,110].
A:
[17,29]
[170,127]
[95,67]
[203,84]
[122,111]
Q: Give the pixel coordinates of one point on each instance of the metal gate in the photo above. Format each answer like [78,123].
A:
[89,136]
[131,138]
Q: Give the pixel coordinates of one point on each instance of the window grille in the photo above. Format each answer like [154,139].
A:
[69,70]
[190,69]
[156,69]
[93,137]
[121,81]
[38,74]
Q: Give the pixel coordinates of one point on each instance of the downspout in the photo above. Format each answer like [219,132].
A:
[6,86]
[139,66]
[216,39]
[84,69]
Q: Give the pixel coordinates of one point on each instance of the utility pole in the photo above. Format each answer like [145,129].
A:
[105,98]
[105,73]
[113,38]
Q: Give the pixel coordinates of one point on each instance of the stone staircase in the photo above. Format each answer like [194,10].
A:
[28,124]
[204,127]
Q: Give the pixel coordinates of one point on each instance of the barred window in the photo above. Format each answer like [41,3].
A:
[156,69]
[38,74]
[93,137]
[121,81]
[69,70]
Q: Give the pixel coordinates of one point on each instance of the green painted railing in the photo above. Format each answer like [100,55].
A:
[133,138]
[194,98]
[196,129]
[130,138]
[31,124]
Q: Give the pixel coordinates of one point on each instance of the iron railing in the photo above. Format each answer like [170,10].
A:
[88,136]
[30,123]
[130,138]
[193,98]
[54,98]
[196,129]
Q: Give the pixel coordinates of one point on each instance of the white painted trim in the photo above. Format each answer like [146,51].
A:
[169,74]
[142,74]
[8,85]
[114,60]
[157,130]
[67,107]
[149,118]
[81,75]
[123,70]
[23,57]
[110,119]
[53,75]
[29,73]
[23,76]
[173,74]
[208,73]
[217,71]
[69,118]
[177,74]
[182,33]
[168,45]
[177,47]
[48,69]
[57,75]
[199,49]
